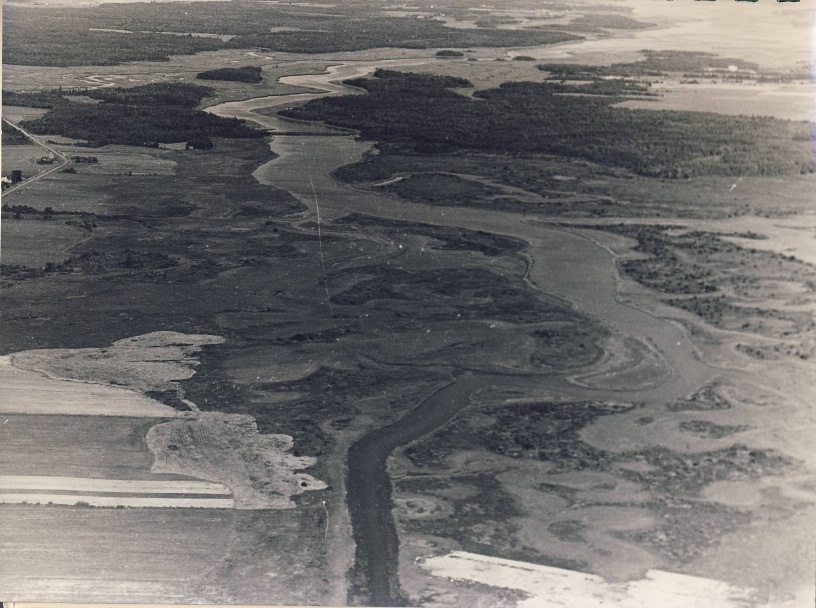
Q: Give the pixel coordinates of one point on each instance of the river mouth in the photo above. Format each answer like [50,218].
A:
[656,363]
[565,263]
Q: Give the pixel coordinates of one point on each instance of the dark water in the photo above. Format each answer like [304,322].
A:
[368,484]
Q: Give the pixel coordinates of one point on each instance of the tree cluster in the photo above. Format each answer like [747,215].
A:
[155,94]
[141,116]
[251,74]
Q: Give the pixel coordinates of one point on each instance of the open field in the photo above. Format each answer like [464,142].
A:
[74,444]
[100,553]
[121,160]
[71,543]
[34,243]
[15,114]
[23,157]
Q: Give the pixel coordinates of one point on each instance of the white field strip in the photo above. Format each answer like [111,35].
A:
[31,489]
[26,392]
[556,587]
[118,501]
[83,484]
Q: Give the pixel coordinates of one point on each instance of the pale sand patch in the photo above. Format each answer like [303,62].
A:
[752,493]
[588,534]
[28,392]
[150,362]
[84,484]
[227,449]
[118,501]
[793,235]
[552,587]
[599,488]
[760,416]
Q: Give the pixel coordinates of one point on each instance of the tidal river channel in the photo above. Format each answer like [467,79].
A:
[565,264]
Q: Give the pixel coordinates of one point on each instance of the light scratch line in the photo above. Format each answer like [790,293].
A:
[320,247]
[326,531]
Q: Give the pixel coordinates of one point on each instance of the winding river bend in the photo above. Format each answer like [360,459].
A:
[564,263]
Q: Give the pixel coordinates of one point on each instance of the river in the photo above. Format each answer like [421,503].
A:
[565,263]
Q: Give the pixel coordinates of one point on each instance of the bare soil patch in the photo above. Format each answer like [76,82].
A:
[150,362]
[226,448]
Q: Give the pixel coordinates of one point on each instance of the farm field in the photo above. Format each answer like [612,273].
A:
[23,157]
[25,392]
[113,543]
[75,443]
[25,239]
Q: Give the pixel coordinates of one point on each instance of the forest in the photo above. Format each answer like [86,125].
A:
[533,118]
[12,137]
[140,116]
[63,36]
[34,99]
[156,94]
[248,73]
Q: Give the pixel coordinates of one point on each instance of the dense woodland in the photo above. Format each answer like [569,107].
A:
[248,73]
[34,99]
[64,36]
[141,116]
[12,137]
[156,94]
[526,117]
